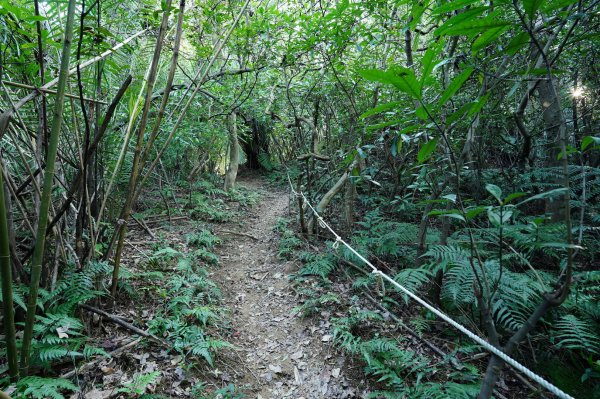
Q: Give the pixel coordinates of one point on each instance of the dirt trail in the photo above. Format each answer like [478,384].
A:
[282,355]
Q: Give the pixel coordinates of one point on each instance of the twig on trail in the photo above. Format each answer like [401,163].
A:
[95,361]
[122,323]
[238,233]
[134,246]
[143,226]
[161,218]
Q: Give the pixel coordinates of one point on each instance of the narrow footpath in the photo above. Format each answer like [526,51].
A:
[282,355]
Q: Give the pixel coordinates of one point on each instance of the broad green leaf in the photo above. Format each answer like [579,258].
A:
[396,145]
[452,213]
[487,37]
[386,124]
[402,78]
[406,81]
[379,109]
[517,43]
[456,115]
[473,212]
[513,196]
[422,113]
[451,197]
[544,195]
[426,150]
[506,215]
[568,151]
[451,6]
[469,26]
[477,105]
[531,6]
[428,63]
[494,217]
[495,191]
[458,19]
[455,85]
[418,8]
[589,140]
[376,75]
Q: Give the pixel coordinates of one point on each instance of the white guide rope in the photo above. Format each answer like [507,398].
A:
[486,345]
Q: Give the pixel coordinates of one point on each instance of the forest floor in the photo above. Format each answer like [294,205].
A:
[282,355]
[277,353]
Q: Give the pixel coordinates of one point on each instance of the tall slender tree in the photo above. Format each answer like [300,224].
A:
[38,252]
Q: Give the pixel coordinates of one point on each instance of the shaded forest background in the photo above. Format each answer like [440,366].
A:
[454,143]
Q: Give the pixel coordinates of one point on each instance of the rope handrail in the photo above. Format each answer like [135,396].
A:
[486,345]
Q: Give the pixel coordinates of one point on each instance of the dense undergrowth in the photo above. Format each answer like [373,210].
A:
[167,289]
[334,282]
[454,143]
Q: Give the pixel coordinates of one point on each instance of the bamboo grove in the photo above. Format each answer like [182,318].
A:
[456,142]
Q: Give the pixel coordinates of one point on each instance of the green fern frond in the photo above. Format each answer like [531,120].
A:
[89,351]
[43,388]
[321,266]
[412,279]
[578,334]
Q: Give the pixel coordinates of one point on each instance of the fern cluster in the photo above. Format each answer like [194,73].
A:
[191,309]
[43,388]
[204,241]
[401,370]
[212,210]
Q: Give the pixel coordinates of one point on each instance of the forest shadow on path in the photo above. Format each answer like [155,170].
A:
[280,355]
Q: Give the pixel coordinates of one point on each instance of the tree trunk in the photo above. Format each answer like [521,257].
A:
[337,187]
[7,280]
[38,253]
[234,153]
[554,124]
[121,229]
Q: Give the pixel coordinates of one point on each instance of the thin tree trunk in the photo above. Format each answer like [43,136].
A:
[70,196]
[337,187]
[234,153]
[7,281]
[121,229]
[38,253]
[6,116]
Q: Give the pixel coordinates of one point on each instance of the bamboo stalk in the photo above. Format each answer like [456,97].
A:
[48,91]
[38,253]
[7,293]
[6,115]
[187,105]
[121,231]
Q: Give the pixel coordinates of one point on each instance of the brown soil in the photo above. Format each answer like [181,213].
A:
[281,354]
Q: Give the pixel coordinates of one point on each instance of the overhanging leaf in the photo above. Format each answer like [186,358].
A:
[405,80]
[495,191]
[455,85]
[402,78]
[531,6]
[379,109]
[487,37]
[469,27]
[426,150]
[589,140]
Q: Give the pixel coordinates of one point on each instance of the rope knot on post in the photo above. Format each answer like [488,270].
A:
[336,244]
